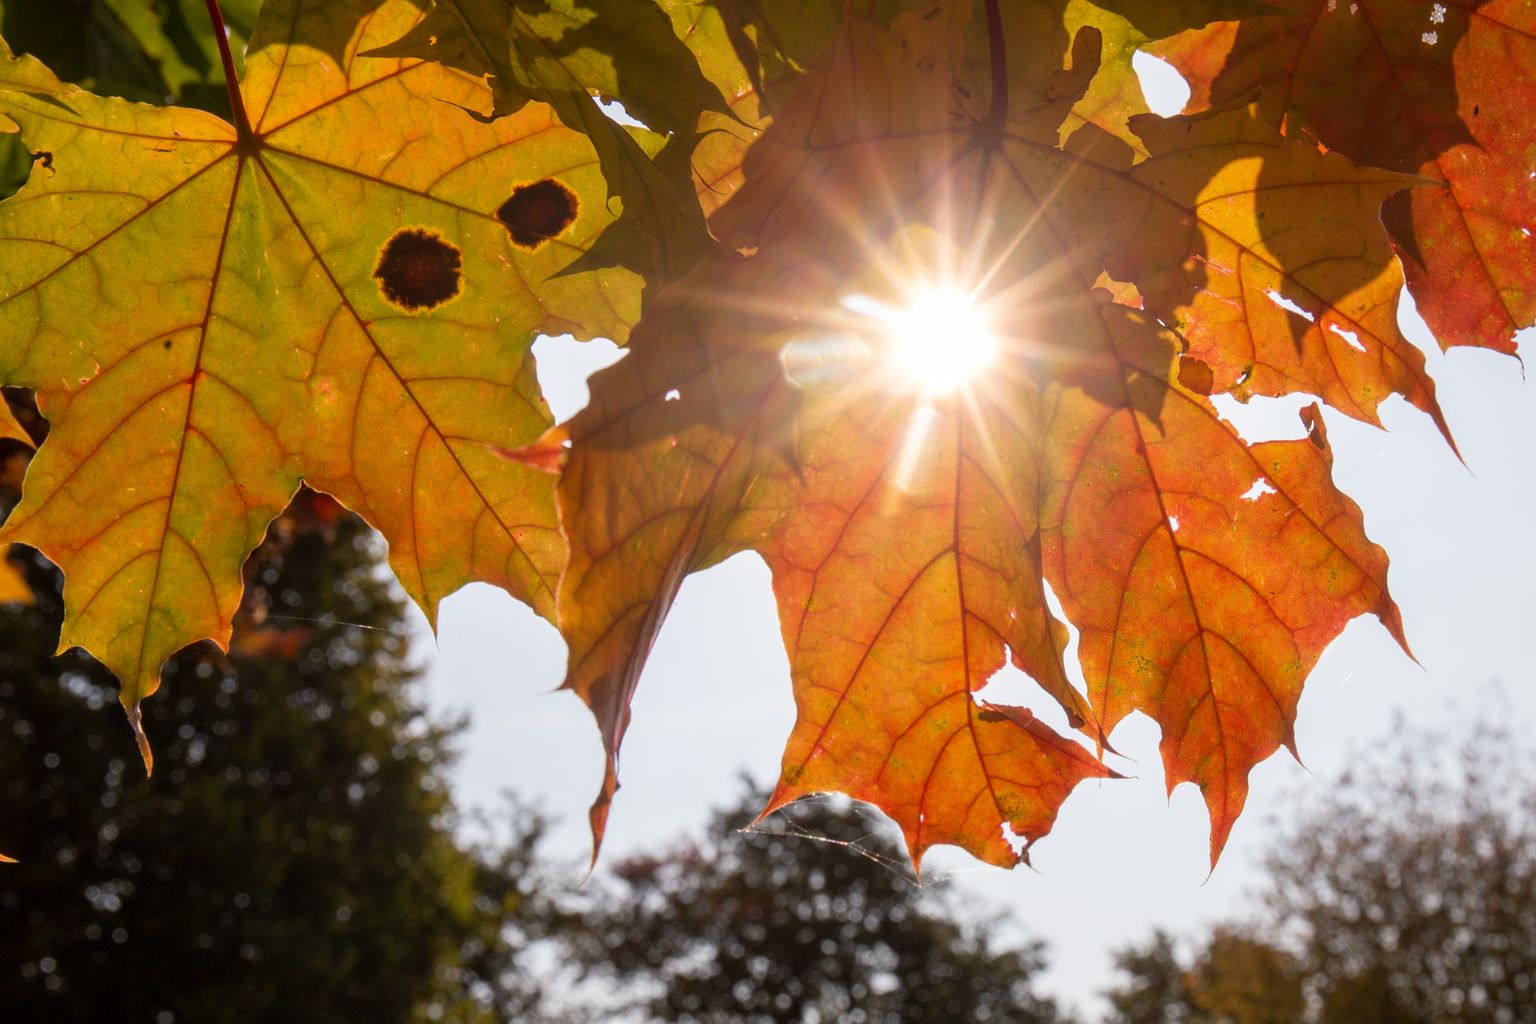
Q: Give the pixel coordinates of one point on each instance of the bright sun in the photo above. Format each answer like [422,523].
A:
[940,340]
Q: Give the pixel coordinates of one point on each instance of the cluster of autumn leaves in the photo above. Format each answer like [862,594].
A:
[342,288]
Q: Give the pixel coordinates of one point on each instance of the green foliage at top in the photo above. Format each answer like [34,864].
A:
[148,50]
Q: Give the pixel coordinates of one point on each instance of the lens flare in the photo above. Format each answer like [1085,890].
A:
[940,341]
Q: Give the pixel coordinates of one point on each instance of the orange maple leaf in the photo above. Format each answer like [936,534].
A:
[760,409]
[1443,90]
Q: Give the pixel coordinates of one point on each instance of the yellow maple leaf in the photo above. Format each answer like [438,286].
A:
[341,288]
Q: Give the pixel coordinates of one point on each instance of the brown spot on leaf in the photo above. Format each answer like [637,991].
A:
[535,213]
[418,270]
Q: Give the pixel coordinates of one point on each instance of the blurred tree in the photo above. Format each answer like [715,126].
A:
[1156,986]
[294,857]
[1403,894]
[763,926]
[1241,979]
[1235,979]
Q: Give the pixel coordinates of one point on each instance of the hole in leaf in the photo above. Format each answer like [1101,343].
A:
[1165,89]
[1349,336]
[1258,490]
[1260,419]
[1011,686]
[418,270]
[1287,304]
[564,364]
[1019,843]
[535,213]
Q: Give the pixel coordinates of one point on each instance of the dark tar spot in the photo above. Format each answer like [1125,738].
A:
[44,159]
[535,213]
[167,345]
[418,270]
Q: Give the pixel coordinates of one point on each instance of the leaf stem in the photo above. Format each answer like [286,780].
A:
[243,131]
[997,114]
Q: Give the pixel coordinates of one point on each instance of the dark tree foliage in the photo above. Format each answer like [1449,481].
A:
[146,51]
[759,927]
[293,857]
[1403,894]
[140,50]
[1155,988]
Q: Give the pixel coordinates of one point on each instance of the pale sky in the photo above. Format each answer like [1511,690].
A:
[715,698]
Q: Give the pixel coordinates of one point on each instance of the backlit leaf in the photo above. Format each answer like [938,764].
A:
[1438,89]
[1114,95]
[937,321]
[566,52]
[909,532]
[208,318]
[1265,254]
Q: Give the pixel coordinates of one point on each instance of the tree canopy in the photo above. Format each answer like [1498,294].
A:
[807,917]
[1405,893]
[302,839]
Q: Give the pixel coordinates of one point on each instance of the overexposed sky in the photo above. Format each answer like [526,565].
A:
[715,699]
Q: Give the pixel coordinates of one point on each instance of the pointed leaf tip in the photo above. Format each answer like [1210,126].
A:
[136,723]
[597,817]
[547,454]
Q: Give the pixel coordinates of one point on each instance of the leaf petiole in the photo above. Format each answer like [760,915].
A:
[997,114]
[242,122]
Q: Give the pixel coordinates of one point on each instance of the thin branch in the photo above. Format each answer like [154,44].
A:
[242,122]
